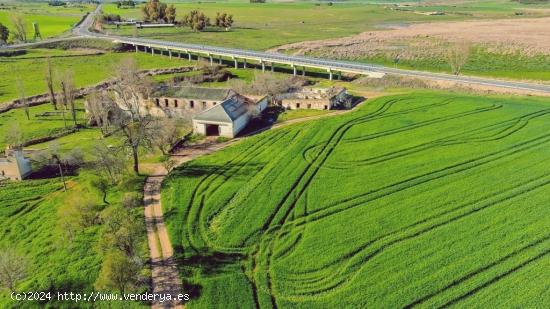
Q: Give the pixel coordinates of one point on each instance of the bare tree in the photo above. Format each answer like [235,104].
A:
[22,97]
[169,132]
[99,106]
[14,136]
[458,56]
[109,162]
[20,30]
[68,94]
[13,267]
[132,120]
[49,82]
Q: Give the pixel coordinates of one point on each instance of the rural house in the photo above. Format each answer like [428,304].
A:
[229,117]
[14,165]
[315,98]
[184,102]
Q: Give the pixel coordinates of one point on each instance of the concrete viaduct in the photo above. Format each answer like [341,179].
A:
[261,59]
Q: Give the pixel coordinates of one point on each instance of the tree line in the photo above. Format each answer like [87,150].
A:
[155,11]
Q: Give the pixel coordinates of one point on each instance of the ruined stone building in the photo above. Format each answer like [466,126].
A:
[184,102]
[315,98]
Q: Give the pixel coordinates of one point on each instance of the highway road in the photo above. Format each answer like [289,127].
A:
[82,30]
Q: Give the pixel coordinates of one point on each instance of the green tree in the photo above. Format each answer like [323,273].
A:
[4,33]
[12,268]
[196,20]
[102,185]
[224,20]
[155,11]
[118,272]
[171,14]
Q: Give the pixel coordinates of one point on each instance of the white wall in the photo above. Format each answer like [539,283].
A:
[240,123]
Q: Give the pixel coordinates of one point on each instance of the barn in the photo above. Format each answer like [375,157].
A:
[228,118]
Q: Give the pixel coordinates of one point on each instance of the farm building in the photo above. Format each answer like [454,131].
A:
[185,101]
[229,117]
[14,165]
[315,98]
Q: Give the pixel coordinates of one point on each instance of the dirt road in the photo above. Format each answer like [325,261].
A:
[165,275]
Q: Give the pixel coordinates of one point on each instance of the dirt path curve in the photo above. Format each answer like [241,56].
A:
[165,275]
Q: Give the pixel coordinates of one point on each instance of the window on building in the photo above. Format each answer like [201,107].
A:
[326,106]
[166,102]
[203,104]
[157,101]
[191,104]
[309,106]
[297,105]
[175,103]
[215,103]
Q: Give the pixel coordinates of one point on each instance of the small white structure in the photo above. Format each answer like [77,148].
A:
[229,117]
[14,165]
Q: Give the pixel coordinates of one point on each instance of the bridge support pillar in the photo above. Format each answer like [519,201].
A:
[303,71]
[152,51]
[272,67]
[136,48]
[263,66]
[244,64]
[220,60]
[236,63]
[329,74]
[293,70]
[189,56]
[211,59]
[170,54]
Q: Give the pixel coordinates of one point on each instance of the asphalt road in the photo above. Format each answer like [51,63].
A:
[82,31]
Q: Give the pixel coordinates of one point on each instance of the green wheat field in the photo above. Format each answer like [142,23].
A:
[429,199]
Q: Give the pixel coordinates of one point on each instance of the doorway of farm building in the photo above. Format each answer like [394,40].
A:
[212,130]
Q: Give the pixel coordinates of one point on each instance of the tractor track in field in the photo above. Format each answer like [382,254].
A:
[360,199]
[479,270]
[496,195]
[495,279]
[206,181]
[286,135]
[344,274]
[227,174]
[323,155]
[515,126]
[285,216]
[501,195]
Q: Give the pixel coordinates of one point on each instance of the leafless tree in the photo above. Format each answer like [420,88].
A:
[99,106]
[109,162]
[267,83]
[68,94]
[50,82]
[19,27]
[133,121]
[458,56]
[14,136]
[13,267]
[22,97]
[169,132]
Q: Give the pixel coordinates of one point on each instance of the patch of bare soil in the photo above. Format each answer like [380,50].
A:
[529,36]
